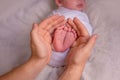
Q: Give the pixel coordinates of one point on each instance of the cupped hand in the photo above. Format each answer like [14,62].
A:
[81,50]
[41,37]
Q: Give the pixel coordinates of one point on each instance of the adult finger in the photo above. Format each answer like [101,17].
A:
[57,25]
[34,32]
[91,42]
[48,21]
[71,23]
[56,22]
[34,29]
[82,29]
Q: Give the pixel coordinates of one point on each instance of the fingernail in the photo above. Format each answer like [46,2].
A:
[95,35]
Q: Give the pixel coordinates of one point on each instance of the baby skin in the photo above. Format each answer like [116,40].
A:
[63,39]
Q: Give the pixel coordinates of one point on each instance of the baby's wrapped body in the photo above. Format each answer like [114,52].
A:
[58,57]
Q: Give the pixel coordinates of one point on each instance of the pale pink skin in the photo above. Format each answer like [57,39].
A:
[65,36]
[72,4]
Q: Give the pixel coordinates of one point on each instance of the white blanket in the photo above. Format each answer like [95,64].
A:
[17,17]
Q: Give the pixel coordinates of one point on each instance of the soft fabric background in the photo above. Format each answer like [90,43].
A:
[17,17]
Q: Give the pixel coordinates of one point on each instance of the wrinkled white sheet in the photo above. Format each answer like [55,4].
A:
[17,17]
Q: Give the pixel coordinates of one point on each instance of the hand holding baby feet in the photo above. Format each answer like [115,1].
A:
[41,38]
[79,54]
[64,37]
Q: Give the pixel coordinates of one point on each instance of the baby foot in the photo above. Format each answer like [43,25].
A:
[58,39]
[70,38]
[63,38]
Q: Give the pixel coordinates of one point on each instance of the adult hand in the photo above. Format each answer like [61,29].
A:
[80,52]
[41,50]
[41,37]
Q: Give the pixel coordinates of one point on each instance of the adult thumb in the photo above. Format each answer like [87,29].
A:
[91,42]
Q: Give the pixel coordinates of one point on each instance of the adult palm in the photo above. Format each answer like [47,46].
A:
[81,49]
[41,37]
